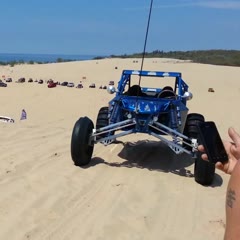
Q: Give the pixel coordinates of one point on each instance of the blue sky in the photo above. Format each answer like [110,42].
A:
[104,27]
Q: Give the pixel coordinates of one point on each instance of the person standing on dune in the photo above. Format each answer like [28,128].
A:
[23,115]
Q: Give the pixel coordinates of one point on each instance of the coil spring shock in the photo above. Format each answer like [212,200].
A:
[179,116]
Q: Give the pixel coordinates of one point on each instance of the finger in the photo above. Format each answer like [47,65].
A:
[219,166]
[201,148]
[205,157]
[234,136]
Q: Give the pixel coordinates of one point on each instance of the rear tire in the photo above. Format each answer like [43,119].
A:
[102,120]
[81,151]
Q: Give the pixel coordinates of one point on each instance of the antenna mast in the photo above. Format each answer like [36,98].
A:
[145,43]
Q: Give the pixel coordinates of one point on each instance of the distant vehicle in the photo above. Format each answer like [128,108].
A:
[40,81]
[111,83]
[92,85]
[30,80]
[21,80]
[9,80]
[103,87]
[70,84]
[79,85]
[52,84]
[6,119]
[50,81]
[2,84]
[64,83]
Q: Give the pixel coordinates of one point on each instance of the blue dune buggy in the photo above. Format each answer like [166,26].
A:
[161,112]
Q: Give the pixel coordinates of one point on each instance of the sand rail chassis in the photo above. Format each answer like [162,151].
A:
[160,112]
[177,138]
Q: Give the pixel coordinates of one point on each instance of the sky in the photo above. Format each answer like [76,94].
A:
[106,27]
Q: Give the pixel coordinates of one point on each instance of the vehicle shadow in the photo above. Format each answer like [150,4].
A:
[154,156]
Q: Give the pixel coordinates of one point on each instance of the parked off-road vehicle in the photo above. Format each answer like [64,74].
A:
[2,84]
[9,79]
[64,84]
[79,85]
[92,85]
[70,84]
[21,80]
[160,112]
[103,87]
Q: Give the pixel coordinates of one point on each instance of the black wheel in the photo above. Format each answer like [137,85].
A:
[81,150]
[194,117]
[203,171]
[102,120]
[191,129]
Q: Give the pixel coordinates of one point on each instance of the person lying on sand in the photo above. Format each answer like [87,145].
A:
[231,167]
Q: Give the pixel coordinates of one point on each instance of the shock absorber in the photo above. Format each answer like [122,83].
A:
[179,116]
[173,116]
[114,113]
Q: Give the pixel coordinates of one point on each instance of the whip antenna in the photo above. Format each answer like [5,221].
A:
[145,43]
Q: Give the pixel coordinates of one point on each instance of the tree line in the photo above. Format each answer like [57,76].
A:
[216,57]
[15,62]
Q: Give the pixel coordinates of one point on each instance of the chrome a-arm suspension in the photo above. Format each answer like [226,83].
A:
[112,128]
[178,139]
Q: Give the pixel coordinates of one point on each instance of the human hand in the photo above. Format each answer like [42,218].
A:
[232,149]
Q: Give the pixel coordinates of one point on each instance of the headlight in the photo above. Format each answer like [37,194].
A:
[111,89]
[188,96]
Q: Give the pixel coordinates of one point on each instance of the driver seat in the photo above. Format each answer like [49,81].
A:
[135,90]
[167,92]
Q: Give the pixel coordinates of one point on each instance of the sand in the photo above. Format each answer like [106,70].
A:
[131,190]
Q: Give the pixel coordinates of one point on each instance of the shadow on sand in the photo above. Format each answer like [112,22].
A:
[154,156]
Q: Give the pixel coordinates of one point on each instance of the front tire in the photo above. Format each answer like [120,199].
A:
[191,129]
[81,150]
[204,171]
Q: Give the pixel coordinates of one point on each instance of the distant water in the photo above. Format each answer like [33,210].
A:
[8,57]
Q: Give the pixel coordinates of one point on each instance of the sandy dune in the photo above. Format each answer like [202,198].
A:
[135,189]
